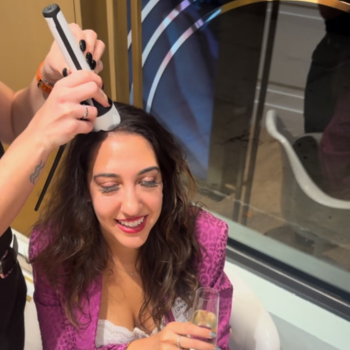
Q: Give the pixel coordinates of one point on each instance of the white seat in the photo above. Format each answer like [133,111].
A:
[277,130]
[252,327]
[309,211]
[32,330]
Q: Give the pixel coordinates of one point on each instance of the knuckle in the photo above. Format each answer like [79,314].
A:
[191,328]
[93,87]
[74,27]
[98,79]
[163,336]
[60,97]
[70,128]
[166,336]
[67,109]
[91,33]
[58,85]
[169,326]
[86,74]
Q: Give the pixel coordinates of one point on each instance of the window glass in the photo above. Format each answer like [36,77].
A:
[212,72]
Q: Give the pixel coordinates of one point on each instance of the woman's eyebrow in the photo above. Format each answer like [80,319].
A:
[106,175]
[146,170]
[149,169]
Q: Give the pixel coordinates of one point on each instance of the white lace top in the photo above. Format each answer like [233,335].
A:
[108,333]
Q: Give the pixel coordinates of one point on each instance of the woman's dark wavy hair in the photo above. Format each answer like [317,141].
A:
[78,253]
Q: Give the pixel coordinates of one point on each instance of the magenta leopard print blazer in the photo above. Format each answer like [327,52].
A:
[58,334]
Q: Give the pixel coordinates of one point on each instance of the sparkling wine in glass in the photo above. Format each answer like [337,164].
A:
[206,311]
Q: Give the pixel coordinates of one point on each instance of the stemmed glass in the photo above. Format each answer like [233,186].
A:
[205,311]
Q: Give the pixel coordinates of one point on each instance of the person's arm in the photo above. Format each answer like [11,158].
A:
[55,124]
[17,109]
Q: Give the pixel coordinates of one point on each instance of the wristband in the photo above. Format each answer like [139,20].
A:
[43,84]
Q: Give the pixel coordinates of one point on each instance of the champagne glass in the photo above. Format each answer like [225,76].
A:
[205,311]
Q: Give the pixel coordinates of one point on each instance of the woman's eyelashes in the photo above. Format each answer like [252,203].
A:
[108,189]
[147,183]
[151,183]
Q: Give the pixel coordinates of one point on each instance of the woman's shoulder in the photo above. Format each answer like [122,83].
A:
[38,241]
[212,234]
[210,228]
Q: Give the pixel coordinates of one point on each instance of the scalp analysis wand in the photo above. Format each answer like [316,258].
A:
[107,117]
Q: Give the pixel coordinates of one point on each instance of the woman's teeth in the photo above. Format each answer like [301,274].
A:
[132,223]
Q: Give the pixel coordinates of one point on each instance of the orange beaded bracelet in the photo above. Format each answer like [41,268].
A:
[43,85]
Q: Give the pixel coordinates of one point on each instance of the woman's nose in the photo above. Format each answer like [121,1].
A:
[131,203]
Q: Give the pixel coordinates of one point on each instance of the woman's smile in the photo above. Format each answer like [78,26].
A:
[133,225]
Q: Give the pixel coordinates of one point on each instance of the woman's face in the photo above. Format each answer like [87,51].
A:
[126,189]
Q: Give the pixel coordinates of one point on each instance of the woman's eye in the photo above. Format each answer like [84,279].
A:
[108,189]
[151,183]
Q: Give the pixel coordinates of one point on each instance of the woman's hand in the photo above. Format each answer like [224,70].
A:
[177,335]
[92,48]
[62,116]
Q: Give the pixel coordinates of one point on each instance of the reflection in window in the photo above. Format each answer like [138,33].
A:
[205,79]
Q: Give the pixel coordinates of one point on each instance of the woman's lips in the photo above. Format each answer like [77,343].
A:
[132,226]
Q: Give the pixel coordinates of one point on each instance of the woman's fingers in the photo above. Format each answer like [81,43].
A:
[89,44]
[87,113]
[89,90]
[191,329]
[82,85]
[99,67]
[97,54]
[188,335]
[79,77]
[93,50]
[194,343]
[90,38]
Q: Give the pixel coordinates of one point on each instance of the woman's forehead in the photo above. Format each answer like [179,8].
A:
[121,149]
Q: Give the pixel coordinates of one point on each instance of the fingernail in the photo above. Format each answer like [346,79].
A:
[82,45]
[65,72]
[212,335]
[89,57]
[93,64]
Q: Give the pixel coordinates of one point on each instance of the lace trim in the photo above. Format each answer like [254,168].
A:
[108,333]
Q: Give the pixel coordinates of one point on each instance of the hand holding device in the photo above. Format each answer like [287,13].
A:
[107,117]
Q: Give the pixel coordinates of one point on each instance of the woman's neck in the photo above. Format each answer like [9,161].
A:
[123,257]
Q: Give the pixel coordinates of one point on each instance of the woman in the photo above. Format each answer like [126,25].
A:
[120,249]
